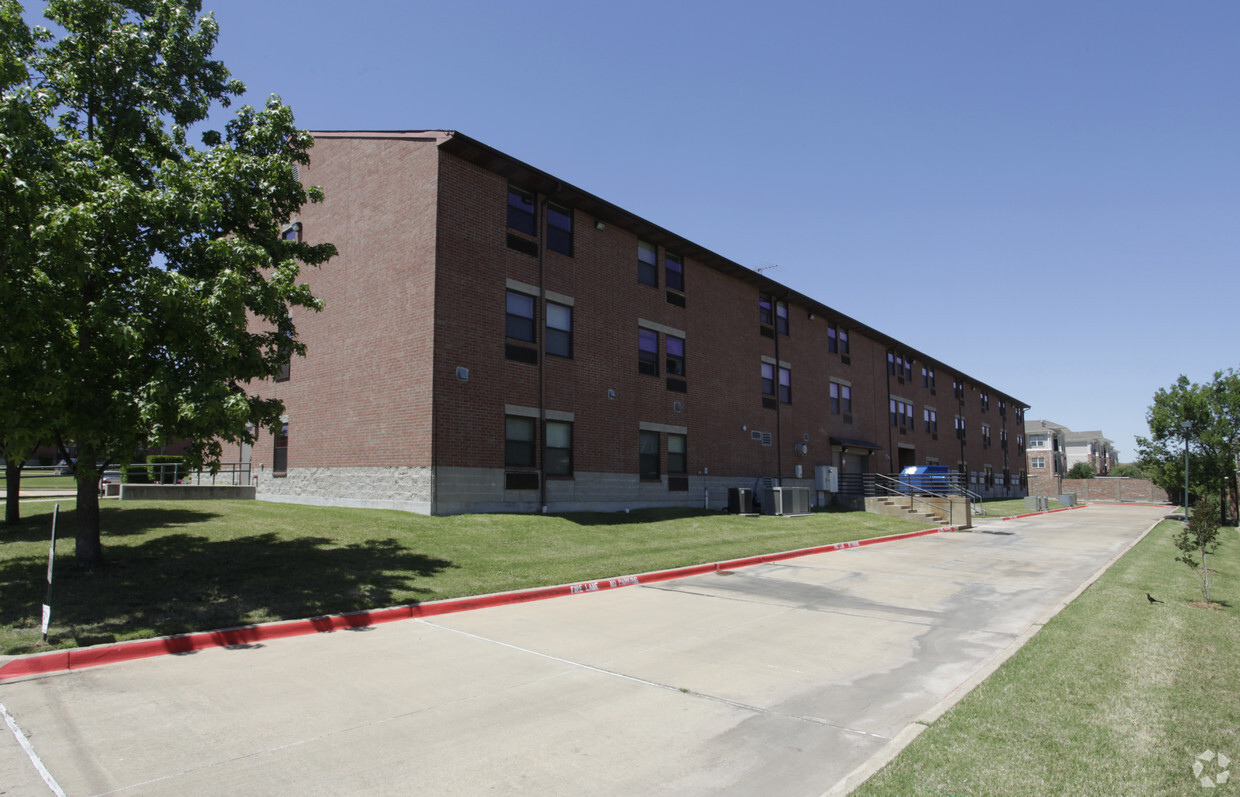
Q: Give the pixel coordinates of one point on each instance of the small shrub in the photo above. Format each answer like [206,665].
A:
[167,474]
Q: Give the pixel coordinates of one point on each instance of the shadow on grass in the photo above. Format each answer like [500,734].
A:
[179,582]
[38,527]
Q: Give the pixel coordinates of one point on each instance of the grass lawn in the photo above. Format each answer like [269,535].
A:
[1114,696]
[32,481]
[1008,507]
[175,567]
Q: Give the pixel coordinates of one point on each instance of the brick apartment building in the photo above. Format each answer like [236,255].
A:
[495,339]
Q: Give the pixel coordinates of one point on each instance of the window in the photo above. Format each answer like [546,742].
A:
[647,264]
[286,353]
[899,366]
[675,356]
[1002,407]
[520,319]
[1003,437]
[673,271]
[932,420]
[279,459]
[927,377]
[648,352]
[1020,443]
[558,457]
[676,461]
[843,341]
[833,342]
[764,310]
[1020,415]
[846,398]
[958,388]
[960,427]
[985,435]
[648,455]
[521,211]
[293,233]
[835,398]
[768,379]
[901,413]
[559,330]
[1037,441]
[841,398]
[519,441]
[785,386]
[1037,462]
[985,400]
[781,318]
[560,229]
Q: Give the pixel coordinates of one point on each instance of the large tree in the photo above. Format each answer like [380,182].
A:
[169,283]
[1212,412]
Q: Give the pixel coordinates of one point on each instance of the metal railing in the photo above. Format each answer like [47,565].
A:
[881,485]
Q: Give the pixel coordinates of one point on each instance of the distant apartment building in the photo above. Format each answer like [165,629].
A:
[496,339]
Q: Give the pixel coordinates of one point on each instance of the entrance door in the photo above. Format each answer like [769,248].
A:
[907,458]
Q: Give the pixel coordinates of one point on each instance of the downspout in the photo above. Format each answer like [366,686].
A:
[890,450]
[779,412]
[542,356]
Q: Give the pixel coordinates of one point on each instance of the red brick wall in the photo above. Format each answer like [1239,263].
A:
[362,393]
[1100,489]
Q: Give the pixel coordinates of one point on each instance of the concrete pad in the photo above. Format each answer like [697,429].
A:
[778,679]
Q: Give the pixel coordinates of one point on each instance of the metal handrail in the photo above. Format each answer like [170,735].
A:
[901,490]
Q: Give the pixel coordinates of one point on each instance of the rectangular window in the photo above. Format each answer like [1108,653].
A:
[958,388]
[844,341]
[560,229]
[901,413]
[835,398]
[519,440]
[559,452]
[647,264]
[674,271]
[985,435]
[960,427]
[676,451]
[1037,462]
[279,459]
[1020,443]
[675,356]
[985,401]
[785,386]
[765,315]
[648,455]
[647,352]
[1037,441]
[833,344]
[846,398]
[521,211]
[927,377]
[286,353]
[781,318]
[520,319]
[932,421]
[559,330]
[768,379]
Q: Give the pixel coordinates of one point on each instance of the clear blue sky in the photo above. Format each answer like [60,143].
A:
[1044,195]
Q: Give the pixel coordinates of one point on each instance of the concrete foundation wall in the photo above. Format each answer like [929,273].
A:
[184,492]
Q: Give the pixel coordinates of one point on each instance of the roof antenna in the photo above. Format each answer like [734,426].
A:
[766,267]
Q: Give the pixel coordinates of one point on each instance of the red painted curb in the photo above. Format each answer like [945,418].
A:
[77,658]
[1047,512]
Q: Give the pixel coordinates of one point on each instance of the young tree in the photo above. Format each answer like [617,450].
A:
[1198,540]
[1081,470]
[154,253]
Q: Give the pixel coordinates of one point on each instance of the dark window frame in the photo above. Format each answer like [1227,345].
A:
[279,454]
[675,362]
[648,460]
[559,237]
[647,357]
[557,460]
[527,219]
[559,342]
[677,462]
[647,270]
[674,271]
[510,317]
[520,452]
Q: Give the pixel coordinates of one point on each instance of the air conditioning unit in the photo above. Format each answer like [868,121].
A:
[786,501]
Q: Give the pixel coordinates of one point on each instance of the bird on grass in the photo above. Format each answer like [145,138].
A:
[1151,598]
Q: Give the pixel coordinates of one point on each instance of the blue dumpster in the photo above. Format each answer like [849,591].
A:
[925,479]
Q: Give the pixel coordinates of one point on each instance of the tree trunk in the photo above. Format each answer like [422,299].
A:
[12,486]
[89,544]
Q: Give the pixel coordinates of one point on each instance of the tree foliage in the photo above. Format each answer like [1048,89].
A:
[1128,470]
[165,285]
[1212,412]
[1081,470]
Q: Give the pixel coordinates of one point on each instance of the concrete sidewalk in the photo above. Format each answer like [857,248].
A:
[776,679]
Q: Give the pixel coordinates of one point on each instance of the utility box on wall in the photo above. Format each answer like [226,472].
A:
[826,478]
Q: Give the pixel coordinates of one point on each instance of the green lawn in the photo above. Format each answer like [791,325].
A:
[32,481]
[1114,696]
[175,567]
[1007,507]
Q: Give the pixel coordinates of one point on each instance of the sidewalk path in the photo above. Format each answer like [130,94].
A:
[775,679]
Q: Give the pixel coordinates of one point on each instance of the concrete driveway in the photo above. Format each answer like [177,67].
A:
[774,679]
